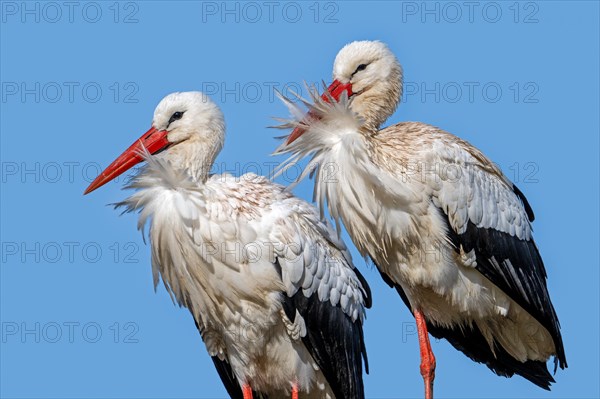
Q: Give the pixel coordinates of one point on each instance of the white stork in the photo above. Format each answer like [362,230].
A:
[442,223]
[271,288]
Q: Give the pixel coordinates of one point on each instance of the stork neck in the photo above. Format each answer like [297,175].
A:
[376,104]
[374,110]
[193,157]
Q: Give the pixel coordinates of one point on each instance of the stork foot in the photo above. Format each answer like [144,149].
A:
[247,391]
[427,357]
[295,391]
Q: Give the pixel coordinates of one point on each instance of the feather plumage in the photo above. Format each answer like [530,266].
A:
[238,252]
[215,245]
[442,223]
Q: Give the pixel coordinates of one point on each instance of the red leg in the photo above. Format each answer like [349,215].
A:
[247,391]
[427,358]
[295,391]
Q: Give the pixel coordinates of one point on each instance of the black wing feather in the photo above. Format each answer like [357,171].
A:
[471,342]
[528,209]
[335,342]
[516,267]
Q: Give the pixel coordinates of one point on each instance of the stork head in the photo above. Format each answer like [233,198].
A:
[371,76]
[188,129]
[189,116]
[374,77]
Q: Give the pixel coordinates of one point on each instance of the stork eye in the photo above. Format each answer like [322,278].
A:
[175,117]
[361,67]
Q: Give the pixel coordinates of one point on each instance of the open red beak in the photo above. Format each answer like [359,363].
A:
[153,141]
[334,91]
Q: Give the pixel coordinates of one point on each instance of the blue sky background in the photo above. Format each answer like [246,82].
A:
[80,82]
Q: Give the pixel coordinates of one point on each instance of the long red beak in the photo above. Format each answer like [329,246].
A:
[334,91]
[153,141]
